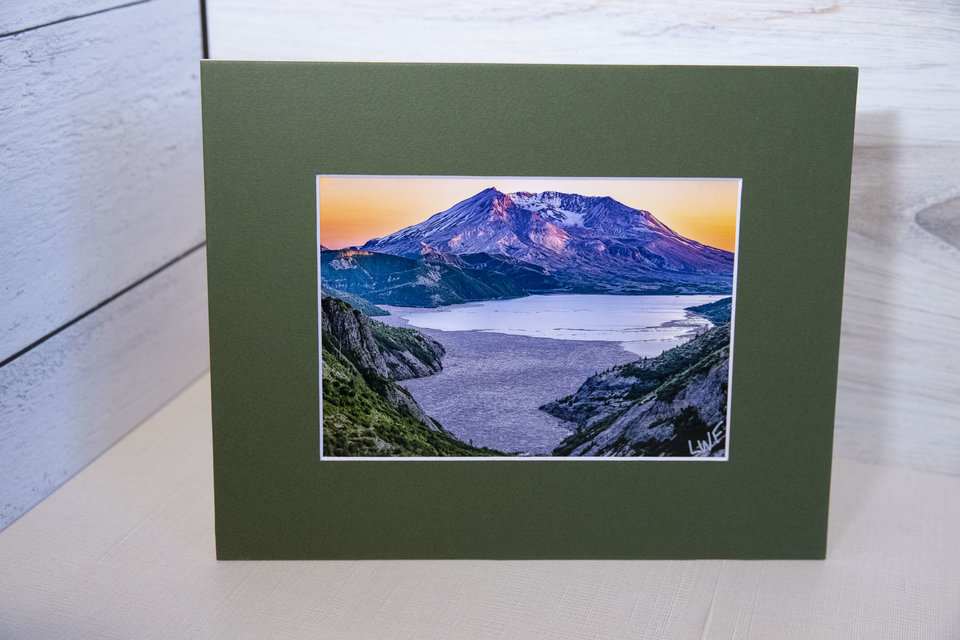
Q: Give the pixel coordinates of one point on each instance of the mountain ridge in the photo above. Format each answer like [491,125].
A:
[585,242]
[382,278]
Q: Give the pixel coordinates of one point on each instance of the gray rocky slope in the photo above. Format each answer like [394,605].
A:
[663,406]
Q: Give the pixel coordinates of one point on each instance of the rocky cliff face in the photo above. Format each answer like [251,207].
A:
[365,413]
[350,330]
[407,352]
[393,352]
[671,405]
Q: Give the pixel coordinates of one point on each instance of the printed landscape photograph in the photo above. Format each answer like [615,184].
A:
[526,318]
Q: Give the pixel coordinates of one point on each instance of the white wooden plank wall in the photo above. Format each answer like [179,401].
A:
[899,386]
[21,16]
[101,187]
[71,398]
[102,176]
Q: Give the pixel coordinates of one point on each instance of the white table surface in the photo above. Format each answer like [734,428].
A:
[125,550]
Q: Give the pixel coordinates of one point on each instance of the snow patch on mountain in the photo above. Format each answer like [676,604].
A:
[548,204]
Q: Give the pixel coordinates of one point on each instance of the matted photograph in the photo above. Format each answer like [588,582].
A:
[474,317]
[526,318]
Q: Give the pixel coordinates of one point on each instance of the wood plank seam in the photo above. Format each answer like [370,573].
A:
[69,18]
[203,29]
[103,303]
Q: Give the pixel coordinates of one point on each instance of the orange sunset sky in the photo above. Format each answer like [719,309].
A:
[355,209]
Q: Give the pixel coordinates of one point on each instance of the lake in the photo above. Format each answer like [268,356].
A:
[644,325]
[506,358]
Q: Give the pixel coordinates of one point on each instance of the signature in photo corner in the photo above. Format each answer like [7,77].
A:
[705,446]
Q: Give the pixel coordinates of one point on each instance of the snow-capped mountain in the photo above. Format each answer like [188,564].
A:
[587,242]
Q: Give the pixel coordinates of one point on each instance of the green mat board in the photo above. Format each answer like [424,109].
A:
[270,128]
